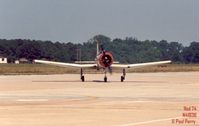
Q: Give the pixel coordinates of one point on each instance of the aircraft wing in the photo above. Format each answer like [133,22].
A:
[61,64]
[137,65]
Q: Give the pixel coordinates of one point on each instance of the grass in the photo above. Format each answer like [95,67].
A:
[33,69]
[168,68]
[17,69]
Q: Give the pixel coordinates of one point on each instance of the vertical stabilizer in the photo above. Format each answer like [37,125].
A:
[97,48]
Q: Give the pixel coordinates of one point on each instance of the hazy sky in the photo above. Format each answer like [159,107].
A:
[79,20]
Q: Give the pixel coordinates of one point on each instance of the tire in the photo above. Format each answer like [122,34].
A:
[105,79]
[122,79]
[82,78]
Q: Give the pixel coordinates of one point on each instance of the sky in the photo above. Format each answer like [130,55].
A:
[79,20]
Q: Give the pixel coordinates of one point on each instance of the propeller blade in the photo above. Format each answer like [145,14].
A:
[110,70]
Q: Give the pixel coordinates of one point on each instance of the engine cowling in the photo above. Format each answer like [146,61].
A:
[105,59]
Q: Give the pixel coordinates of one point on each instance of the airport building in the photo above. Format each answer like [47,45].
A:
[3,59]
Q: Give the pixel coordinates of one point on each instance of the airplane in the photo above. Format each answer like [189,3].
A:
[104,60]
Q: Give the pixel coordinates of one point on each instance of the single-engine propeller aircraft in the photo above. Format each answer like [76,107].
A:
[104,60]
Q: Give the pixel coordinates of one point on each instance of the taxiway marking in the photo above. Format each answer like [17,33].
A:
[31,100]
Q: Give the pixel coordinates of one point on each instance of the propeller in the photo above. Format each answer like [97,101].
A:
[106,59]
[110,70]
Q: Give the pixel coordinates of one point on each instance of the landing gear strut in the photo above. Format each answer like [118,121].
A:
[105,77]
[123,76]
[82,75]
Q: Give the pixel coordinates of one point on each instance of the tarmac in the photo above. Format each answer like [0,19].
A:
[143,99]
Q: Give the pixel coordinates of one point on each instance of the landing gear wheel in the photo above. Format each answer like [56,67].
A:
[122,78]
[82,78]
[82,75]
[105,79]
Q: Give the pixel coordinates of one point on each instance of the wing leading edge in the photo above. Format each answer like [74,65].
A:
[61,64]
[137,65]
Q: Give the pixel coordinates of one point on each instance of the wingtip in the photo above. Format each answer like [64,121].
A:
[35,60]
[169,61]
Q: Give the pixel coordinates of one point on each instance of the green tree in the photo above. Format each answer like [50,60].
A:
[191,53]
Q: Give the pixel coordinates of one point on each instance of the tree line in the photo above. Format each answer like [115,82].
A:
[128,50]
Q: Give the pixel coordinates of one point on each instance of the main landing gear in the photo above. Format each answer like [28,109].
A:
[105,77]
[82,75]
[123,76]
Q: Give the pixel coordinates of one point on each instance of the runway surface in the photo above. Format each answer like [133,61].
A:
[144,99]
